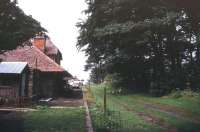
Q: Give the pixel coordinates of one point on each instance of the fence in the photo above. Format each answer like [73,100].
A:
[111,122]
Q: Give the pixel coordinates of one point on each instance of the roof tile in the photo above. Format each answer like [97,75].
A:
[35,58]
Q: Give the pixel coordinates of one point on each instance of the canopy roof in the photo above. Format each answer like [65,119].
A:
[12,67]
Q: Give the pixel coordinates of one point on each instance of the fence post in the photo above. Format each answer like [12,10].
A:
[105,100]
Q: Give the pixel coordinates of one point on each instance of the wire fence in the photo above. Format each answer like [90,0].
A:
[112,121]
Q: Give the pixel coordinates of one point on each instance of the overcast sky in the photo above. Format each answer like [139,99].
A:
[59,17]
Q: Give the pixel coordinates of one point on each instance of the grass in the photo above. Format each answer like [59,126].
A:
[146,113]
[55,120]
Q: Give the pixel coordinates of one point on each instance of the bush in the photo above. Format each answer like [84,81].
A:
[117,91]
[176,93]
[189,93]
[185,93]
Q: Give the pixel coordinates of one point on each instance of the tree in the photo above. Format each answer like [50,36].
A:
[146,43]
[192,5]
[15,26]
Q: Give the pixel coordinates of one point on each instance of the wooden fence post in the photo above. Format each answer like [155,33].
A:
[105,100]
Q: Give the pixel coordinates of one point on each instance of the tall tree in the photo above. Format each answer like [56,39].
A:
[146,43]
[15,26]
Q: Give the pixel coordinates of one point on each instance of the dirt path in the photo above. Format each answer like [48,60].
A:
[149,118]
[152,119]
[66,102]
[171,111]
[75,99]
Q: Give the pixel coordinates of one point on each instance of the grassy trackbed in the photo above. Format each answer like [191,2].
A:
[55,120]
[146,113]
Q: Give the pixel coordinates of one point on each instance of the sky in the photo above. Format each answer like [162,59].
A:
[59,17]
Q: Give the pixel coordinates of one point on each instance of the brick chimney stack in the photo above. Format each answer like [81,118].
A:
[40,42]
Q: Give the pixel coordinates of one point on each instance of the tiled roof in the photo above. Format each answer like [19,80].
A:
[50,48]
[35,58]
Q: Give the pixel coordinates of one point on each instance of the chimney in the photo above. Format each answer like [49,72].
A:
[40,42]
[14,1]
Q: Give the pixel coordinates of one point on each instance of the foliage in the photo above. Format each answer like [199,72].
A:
[149,45]
[15,26]
[185,94]
[105,123]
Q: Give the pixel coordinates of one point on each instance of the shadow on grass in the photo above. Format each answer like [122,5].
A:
[11,122]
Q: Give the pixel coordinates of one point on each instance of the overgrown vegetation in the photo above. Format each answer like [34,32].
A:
[105,122]
[145,45]
[145,113]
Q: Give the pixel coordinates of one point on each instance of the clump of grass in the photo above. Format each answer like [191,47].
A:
[42,107]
